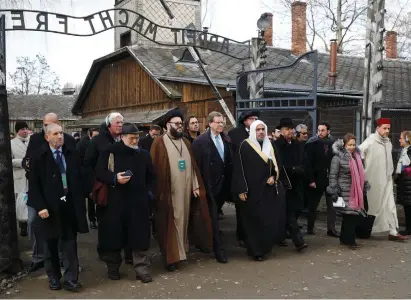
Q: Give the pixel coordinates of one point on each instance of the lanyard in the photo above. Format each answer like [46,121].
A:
[181,147]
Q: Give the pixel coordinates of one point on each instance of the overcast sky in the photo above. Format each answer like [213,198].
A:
[71,57]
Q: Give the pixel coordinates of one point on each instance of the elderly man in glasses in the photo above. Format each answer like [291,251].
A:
[180,198]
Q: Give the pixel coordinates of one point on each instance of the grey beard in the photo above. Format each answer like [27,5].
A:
[135,147]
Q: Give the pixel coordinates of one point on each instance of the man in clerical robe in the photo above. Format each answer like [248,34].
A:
[376,151]
[256,181]
[181,211]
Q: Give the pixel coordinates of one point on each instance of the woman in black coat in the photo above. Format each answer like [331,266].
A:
[403,179]
[125,221]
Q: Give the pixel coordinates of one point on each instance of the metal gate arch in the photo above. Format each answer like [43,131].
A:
[279,95]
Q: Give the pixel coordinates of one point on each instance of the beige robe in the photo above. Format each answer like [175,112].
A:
[183,183]
[379,169]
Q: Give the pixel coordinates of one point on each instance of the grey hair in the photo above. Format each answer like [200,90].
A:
[300,127]
[113,116]
[52,127]
[212,115]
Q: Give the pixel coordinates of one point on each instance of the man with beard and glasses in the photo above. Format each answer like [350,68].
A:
[181,210]
[38,140]
[259,181]
[56,193]
[130,176]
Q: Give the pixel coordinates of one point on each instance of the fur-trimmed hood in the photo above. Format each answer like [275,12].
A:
[339,149]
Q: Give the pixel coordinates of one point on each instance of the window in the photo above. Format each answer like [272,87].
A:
[125,39]
[38,124]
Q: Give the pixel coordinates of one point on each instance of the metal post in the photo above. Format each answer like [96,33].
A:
[256,80]
[9,250]
[373,77]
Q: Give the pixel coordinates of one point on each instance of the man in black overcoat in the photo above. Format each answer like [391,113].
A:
[237,136]
[318,154]
[125,220]
[36,238]
[291,159]
[212,151]
[56,193]
[81,147]
[146,142]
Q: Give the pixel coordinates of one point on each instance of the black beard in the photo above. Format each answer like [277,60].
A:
[175,134]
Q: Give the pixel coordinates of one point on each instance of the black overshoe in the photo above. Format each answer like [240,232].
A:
[221,257]
[301,247]
[23,231]
[310,232]
[36,266]
[54,284]
[283,244]
[145,278]
[258,258]
[333,233]
[171,267]
[93,225]
[71,286]
[113,275]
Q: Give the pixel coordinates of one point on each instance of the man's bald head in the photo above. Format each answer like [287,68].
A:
[50,118]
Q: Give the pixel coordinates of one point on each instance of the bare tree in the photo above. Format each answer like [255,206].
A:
[341,20]
[399,20]
[34,76]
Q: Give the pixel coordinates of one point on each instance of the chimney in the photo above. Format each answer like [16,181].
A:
[391,44]
[268,33]
[299,24]
[332,75]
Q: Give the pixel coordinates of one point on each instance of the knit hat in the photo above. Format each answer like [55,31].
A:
[20,125]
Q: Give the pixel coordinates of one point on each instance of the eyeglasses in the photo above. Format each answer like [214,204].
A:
[177,124]
[218,122]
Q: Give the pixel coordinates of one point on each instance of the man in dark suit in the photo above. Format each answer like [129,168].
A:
[212,151]
[38,140]
[81,147]
[146,142]
[237,136]
[57,196]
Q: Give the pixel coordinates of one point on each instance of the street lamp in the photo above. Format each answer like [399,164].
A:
[263,23]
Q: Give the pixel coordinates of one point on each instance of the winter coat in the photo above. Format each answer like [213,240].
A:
[46,190]
[403,182]
[126,218]
[82,146]
[340,174]
[18,151]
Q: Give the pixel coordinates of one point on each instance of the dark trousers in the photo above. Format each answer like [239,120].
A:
[141,261]
[91,210]
[213,208]
[407,212]
[293,229]
[314,197]
[52,261]
[348,225]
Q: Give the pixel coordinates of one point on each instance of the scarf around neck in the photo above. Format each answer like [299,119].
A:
[404,160]
[24,140]
[357,182]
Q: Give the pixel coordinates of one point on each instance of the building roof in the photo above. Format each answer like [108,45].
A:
[162,65]
[34,107]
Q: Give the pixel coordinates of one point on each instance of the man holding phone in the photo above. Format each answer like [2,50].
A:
[128,171]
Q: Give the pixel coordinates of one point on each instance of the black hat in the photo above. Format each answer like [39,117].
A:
[245,115]
[20,125]
[286,122]
[171,114]
[130,128]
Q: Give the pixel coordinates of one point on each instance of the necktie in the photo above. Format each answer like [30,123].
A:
[59,161]
[219,148]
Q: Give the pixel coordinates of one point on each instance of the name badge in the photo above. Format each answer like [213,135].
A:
[64,179]
[182,164]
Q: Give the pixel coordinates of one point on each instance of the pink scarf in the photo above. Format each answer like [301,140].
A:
[357,183]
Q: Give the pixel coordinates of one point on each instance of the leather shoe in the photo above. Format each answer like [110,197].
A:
[145,278]
[36,266]
[310,232]
[93,225]
[54,284]
[398,238]
[258,258]
[301,247]
[114,275]
[333,233]
[221,258]
[171,267]
[71,286]
[283,244]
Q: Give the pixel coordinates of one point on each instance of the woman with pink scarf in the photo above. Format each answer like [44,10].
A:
[347,181]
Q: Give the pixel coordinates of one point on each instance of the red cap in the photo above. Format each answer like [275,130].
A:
[383,121]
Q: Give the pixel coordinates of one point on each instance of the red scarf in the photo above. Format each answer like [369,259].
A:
[357,183]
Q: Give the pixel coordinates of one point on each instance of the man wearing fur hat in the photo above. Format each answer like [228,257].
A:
[237,136]
[376,151]
[18,151]
[181,211]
